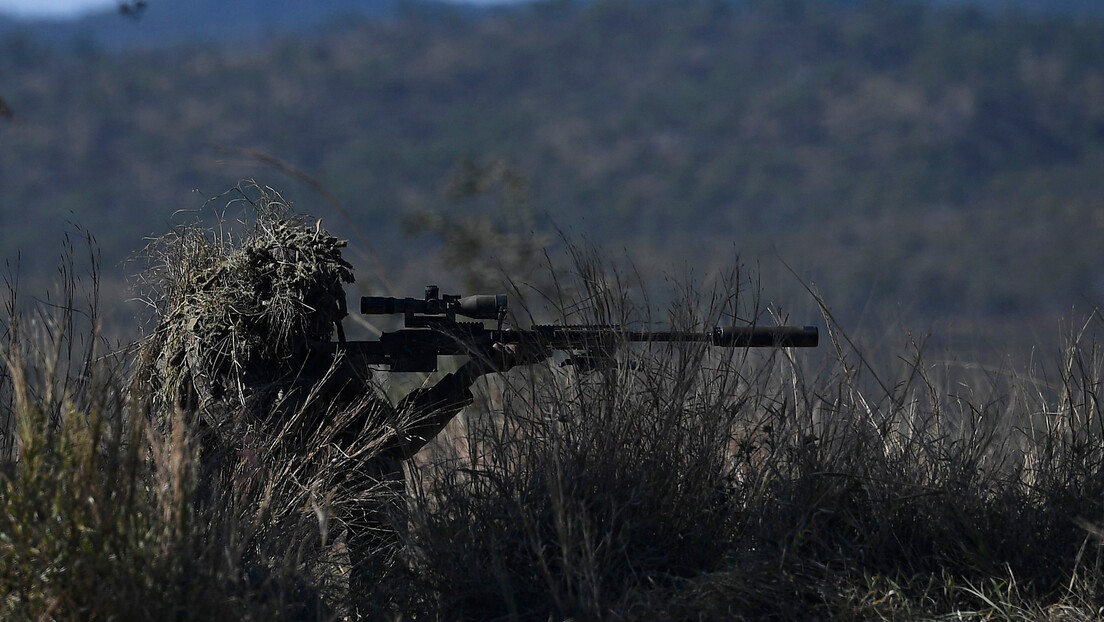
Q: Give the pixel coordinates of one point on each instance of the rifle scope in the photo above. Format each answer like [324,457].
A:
[481,307]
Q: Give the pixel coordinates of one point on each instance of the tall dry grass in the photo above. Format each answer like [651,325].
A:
[676,482]
[685,482]
[100,517]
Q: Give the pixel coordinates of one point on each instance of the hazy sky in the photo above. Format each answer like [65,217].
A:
[65,8]
[53,8]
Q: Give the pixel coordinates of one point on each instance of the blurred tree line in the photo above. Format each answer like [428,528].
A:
[934,163]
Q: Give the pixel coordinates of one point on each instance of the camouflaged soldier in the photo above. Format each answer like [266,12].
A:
[230,355]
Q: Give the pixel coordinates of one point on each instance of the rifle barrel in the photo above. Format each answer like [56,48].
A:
[724,336]
[740,336]
[766,336]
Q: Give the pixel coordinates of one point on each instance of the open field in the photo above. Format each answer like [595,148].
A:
[682,483]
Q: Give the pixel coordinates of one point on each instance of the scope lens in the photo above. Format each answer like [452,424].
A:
[484,307]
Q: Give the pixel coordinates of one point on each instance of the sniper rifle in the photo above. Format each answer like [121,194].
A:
[432,330]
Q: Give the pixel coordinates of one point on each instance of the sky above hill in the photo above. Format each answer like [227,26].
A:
[73,8]
[53,8]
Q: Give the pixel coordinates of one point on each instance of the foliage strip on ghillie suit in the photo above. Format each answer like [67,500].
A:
[234,315]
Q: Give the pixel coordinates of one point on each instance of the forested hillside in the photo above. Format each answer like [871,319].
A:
[924,164]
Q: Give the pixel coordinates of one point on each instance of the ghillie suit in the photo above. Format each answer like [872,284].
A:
[228,361]
[233,322]
[230,358]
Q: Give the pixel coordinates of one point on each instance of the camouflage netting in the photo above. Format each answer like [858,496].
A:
[233,314]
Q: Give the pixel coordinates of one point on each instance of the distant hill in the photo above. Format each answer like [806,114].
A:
[169,22]
[1064,7]
[913,162]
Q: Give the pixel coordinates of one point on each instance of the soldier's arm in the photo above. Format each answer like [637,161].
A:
[432,408]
